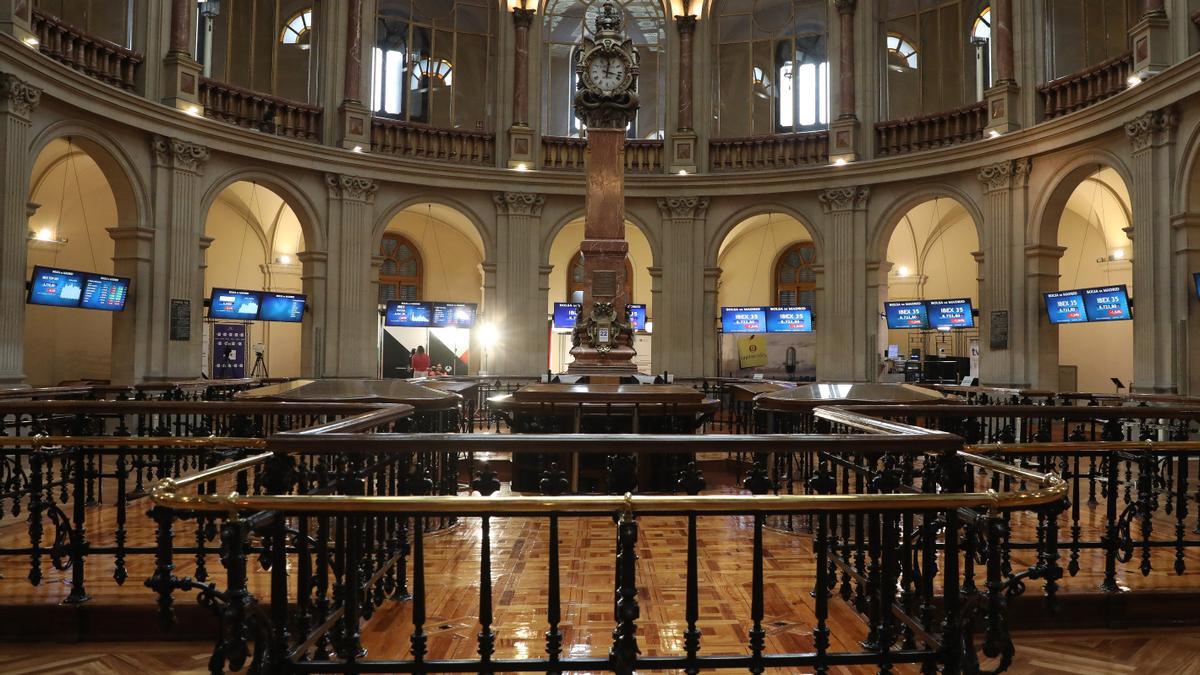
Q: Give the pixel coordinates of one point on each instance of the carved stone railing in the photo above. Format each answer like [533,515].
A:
[641,155]
[92,55]
[420,141]
[255,110]
[780,151]
[644,156]
[913,134]
[1085,88]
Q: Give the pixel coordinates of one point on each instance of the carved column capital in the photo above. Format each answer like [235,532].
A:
[685,23]
[845,6]
[844,199]
[352,188]
[1153,127]
[679,208]
[179,154]
[523,18]
[1005,175]
[518,203]
[18,96]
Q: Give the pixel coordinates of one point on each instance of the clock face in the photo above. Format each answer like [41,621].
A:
[606,72]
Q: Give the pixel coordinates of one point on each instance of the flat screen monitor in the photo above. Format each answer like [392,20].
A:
[637,316]
[906,314]
[1196,282]
[408,314]
[286,307]
[232,303]
[950,313]
[789,320]
[1107,303]
[453,315]
[743,319]
[566,314]
[1065,307]
[101,291]
[55,287]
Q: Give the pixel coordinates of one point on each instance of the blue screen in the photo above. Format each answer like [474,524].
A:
[1108,303]
[1065,307]
[789,320]
[1196,282]
[906,314]
[453,314]
[230,303]
[411,314]
[637,316]
[288,307]
[566,314]
[104,292]
[744,319]
[944,314]
[55,287]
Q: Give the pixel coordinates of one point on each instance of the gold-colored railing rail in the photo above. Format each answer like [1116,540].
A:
[132,442]
[1082,447]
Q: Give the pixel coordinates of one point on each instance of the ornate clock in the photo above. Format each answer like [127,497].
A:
[607,69]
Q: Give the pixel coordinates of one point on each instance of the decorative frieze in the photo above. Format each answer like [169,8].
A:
[518,203]
[352,188]
[680,208]
[18,96]
[179,154]
[844,199]
[1152,127]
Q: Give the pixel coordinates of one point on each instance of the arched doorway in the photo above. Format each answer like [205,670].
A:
[256,244]
[768,259]
[931,257]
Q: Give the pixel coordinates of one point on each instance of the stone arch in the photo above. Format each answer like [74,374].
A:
[485,241]
[713,249]
[577,214]
[127,185]
[1050,204]
[1185,197]
[287,190]
[890,217]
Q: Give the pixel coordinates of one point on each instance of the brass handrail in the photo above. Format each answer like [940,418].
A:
[162,442]
[1077,447]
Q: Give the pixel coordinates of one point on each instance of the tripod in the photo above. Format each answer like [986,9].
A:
[260,366]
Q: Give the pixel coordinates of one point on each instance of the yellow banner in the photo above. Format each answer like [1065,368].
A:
[752,351]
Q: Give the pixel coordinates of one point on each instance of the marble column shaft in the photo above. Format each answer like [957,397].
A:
[18,99]
[350,318]
[1005,213]
[1002,34]
[352,84]
[680,322]
[846,91]
[181,28]
[686,25]
[522,20]
[847,316]
[521,286]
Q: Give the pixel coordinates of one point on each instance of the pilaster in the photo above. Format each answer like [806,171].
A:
[1186,229]
[708,319]
[18,99]
[1003,357]
[351,322]
[314,276]
[133,258]
[846,310]
[681,324]
[1041,276]
[520,308]
[1151,138]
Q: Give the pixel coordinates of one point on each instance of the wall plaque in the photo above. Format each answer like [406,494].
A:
[604,284]
[181,320]
[999,335]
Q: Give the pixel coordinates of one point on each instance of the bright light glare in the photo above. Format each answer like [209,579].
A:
[902,271]
[489,335]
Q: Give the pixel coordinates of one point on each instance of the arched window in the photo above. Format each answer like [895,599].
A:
[566,22]
[433,62]
[981,40]
[900,51]
[297,30]
[576,278]
[772,71]
[401,269]
[795,276]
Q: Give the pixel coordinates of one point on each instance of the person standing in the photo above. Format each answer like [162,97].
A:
[420,362]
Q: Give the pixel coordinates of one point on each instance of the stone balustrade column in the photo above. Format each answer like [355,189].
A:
[182,14]
[1003,345]
[521,137]
[681,323]
[176,338]
[15,19]
[1151,40]
[847,340]
[686,25]
[1002,41]
[352,324]
[519,312]
[1002,99]
[18,99]
[843,131]
[354,118]
[1151,138]
[180,68]
[1153,7]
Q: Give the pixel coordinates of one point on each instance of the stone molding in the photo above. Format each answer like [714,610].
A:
[523,18]
[1006,175]
[679,208]
[179,154]
[18,96]
[844,199]
[518,203]
[351,188]
[845,6]
[685,23]
[1153,127]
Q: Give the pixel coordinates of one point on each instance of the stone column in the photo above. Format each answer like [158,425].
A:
[18,99]
[1041,276]
[1151,137]
[847,316]
[181,71]
[1151,40]
[1002,98]
[520,134]
[708,320]
[1002,41]
[683,141]
[133,258]
[354,116]
[352,335]
[519,309]
[681,323]
[1186,229]
[314,266]
[1003,355]
[843,132]
[176,338]
[877,293]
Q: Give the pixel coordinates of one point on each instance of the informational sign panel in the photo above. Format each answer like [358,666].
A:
[566,314]
[637,316]
[234,303]
[55,287]
[950,313]
[752,352]
[181,320]
[1065,307]
[453,315]
[285,307]
[229,351]
[789,320]
[103,292]
[408,314]
[999,335]
[744,319]
[1109,303]
[906,314]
